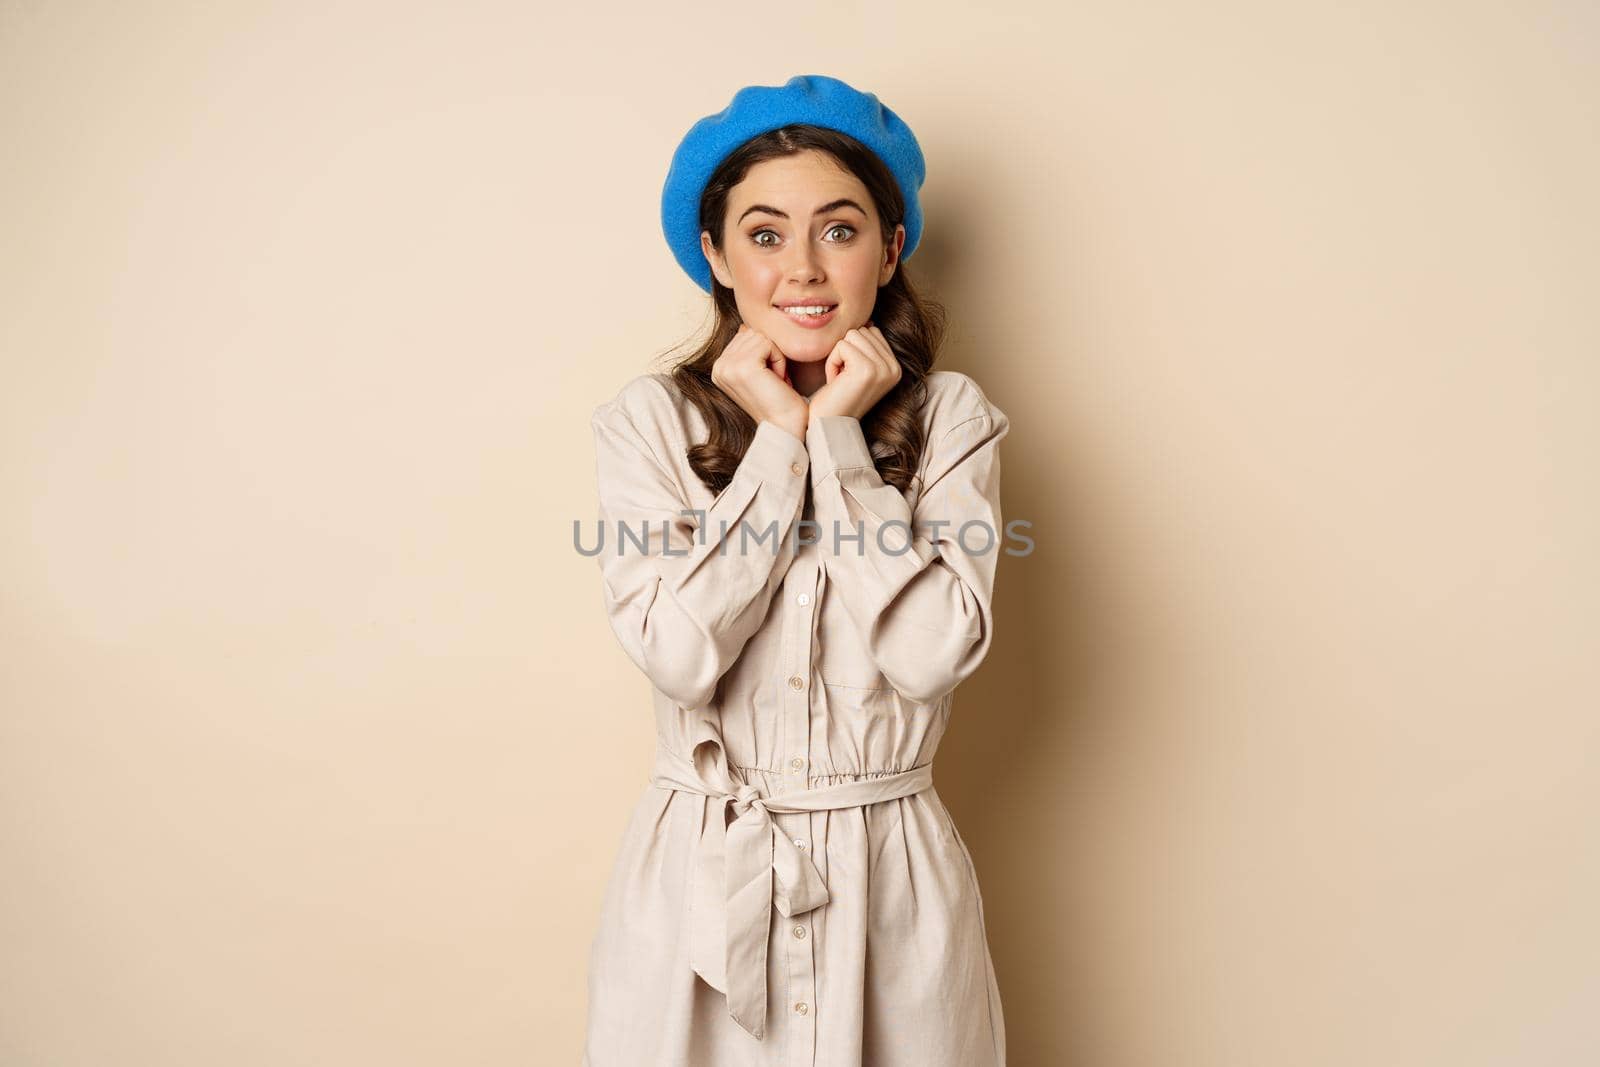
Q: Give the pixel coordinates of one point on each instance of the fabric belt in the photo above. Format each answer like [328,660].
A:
[743,869]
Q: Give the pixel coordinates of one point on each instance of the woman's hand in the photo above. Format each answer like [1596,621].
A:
[755,374]
[861,369]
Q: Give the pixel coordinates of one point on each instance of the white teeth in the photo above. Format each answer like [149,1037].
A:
[814,310]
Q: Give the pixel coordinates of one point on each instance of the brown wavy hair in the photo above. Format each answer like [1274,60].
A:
[914,325]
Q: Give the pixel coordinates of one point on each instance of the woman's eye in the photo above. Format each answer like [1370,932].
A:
[756,237]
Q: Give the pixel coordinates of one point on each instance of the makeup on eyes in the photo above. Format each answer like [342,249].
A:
[828,229]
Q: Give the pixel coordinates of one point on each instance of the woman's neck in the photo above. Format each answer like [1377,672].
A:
[807,378]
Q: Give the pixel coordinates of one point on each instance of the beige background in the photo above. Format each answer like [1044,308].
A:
[316,746]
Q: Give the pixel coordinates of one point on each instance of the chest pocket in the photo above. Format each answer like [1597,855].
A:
[842,658]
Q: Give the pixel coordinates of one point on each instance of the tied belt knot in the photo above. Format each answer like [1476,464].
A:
[747,797]
[744,868]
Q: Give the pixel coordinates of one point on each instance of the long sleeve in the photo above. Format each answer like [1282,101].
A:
[925,613]
[683,606]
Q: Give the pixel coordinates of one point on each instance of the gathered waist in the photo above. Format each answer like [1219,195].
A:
[717,778]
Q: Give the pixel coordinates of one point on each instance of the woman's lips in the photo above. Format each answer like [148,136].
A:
[810,322]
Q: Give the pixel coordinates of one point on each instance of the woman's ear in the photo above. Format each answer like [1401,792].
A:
[891,254]
[719,265]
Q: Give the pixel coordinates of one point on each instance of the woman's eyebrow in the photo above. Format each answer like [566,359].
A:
[832,205]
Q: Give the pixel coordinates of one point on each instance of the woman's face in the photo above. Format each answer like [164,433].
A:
[802,230]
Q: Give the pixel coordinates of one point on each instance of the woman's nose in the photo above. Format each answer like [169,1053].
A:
[806,267]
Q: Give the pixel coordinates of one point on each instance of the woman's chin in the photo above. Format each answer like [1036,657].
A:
[806,355]
[807,349]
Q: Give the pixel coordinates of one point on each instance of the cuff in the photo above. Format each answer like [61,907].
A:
[836,443]
[775,454]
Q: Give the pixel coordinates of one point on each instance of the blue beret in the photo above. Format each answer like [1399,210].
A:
[810,98]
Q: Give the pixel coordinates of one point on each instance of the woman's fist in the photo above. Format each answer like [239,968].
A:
[755,374]
[861,369]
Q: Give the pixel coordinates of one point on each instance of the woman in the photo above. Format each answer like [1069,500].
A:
[802,524]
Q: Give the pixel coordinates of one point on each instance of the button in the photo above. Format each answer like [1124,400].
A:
[798,763]
[795,468]
[803,599]
[799,842]
[800,1007]
[800,931]
[796,682]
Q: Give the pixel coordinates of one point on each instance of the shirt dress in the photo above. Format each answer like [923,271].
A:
[790,891]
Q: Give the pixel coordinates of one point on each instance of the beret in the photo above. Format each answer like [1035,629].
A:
[810,98]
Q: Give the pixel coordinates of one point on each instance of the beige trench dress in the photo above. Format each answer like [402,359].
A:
[790,890]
